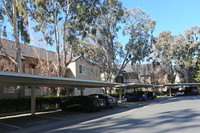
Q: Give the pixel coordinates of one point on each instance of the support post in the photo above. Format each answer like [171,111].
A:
[120,95]
[82,91]
[170,91]
[33,100]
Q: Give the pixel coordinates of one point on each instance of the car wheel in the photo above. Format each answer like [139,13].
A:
[125,99]
[140,99]
[150,98]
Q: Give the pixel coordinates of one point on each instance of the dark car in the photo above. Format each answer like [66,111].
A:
[150,95]
[175,92]
[110,101]
[81,103]
[135,96]
[191,91]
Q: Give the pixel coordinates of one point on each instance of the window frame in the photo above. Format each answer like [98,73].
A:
[82,69]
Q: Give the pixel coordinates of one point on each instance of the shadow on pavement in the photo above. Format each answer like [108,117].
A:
[74,121]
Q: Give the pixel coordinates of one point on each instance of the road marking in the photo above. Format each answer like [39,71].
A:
[11,126]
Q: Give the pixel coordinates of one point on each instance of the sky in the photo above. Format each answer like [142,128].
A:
[172,15]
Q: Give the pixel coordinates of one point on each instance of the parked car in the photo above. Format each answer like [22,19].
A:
[110,101]
[81,103]
[191,91]
[150,95]
[135,96]
[175,92]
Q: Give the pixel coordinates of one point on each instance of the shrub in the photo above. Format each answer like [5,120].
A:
[24,104]
[159,93]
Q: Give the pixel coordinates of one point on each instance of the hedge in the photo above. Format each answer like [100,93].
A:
[24,104]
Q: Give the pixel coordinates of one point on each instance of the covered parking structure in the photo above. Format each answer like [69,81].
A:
[180,84]
[131,85]
[34,81]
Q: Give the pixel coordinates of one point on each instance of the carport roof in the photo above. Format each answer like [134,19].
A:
[183,84]
[134,85]
[7,78]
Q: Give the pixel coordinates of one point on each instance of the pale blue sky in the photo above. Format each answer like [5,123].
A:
[172,15]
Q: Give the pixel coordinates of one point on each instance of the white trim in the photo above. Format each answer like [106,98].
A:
[82,69]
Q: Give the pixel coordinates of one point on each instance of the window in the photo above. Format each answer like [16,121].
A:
[82,69]
[10,89]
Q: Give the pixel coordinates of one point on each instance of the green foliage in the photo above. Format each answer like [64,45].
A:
[177,54]
[116,95]
[197,74]
[14,105]
[159,93]
[139,27]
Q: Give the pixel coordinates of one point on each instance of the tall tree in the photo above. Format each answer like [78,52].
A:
[67,19]
[178,53]
[105,48]
[186,50]
[164,53]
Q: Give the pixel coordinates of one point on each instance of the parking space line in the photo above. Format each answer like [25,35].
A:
[11,126]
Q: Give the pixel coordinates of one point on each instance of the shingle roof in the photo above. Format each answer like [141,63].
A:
[142,69]
[30,51]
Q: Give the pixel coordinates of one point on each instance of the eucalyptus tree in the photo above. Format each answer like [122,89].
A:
[63,23]
[14,14]
[105,48]
[186,51]
[178,53]
[164,53]
[67,20]
[139,28]
[197,69]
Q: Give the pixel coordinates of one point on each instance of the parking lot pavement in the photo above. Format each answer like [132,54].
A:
[127,104]
[25,121]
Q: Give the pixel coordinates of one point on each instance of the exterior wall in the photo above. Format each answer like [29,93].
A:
[71,72]
[104,75]
[31,65]
[92,72]
[146,79]
[88,91]
[38,91]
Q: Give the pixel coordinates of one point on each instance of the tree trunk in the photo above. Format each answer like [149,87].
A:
[57,48]
[13,23]
[18,47]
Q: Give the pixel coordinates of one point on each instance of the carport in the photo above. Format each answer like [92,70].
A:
[180,84]
[131,85]
[34,81]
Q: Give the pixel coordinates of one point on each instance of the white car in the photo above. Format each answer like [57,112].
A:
[179,93]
